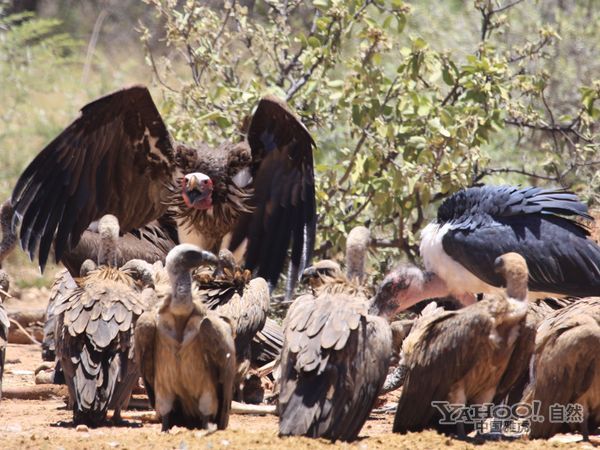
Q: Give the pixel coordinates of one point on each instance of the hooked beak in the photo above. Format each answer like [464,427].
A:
[5,294]
[308,274]
[197,191]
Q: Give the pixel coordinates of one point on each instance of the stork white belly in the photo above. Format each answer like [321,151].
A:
[458,279]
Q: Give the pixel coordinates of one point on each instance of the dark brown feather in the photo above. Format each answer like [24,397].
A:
[567,367]
[118,145]
[334,361]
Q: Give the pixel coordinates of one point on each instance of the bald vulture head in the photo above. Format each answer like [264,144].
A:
[398,288]
[140,270]
[108,228]
[86,267]
[357,246]
[513,269]
[321,273]
[180,261]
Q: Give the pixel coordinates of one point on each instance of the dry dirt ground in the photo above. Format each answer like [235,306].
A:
[46,424]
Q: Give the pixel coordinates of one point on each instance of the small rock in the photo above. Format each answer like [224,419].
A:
[113,444]
[82,428]
[20,372]
[225,442]
[13,428]
[45,377]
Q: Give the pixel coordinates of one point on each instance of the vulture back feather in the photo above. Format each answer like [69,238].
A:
[94,335]
[566,367]
[334,359]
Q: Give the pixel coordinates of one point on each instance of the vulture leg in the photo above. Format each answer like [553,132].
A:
[585,432]
[460,431]
[166,422]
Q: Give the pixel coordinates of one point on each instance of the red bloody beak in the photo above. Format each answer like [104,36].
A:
[197,191]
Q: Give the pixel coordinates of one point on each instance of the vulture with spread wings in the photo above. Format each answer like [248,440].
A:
[256,196]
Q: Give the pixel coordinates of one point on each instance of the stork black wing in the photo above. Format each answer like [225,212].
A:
[115,158]
[284,194]
[470,207]
[560,257]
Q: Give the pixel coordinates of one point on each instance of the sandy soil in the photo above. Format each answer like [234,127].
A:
[46,424]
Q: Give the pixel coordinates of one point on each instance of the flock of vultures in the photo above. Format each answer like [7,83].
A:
[172,252]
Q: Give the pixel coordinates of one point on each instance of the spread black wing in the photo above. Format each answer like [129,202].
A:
[284,194]
[114,158]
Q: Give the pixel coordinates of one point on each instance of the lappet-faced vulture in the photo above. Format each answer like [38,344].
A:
[566,370]
[117,157]
[186,352]
[460,356]
[334,359]
[94,333]
[477,225]
[4,323]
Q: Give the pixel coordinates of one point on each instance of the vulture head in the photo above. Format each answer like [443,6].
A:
[217,185]
[197,191]
[513,269]
[398,290]
[141,271]
[185,257]
[321,273]
[86,267]
[179,263]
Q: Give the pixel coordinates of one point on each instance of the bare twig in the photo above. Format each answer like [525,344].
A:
[24,331]
[92,45]
[155,70]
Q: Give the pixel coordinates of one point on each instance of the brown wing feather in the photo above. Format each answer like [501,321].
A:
[443,348]
[216,337]
[566,360]
[115,158]
[144,350]
[333,364]
[247,312]
[94,342]
[284,193]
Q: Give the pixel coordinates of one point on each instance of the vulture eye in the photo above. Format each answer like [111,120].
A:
[243,178]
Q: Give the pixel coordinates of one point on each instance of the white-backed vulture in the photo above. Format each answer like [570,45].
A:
[460,356]
[4,323]
[94,334]
[186,352]
[231,292]
[566,370]
[334,360]
[118,158]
